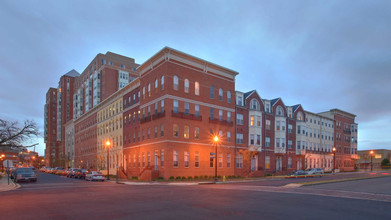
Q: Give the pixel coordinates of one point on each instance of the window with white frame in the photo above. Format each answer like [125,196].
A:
[186,158]
[187,107]
[221,94]
[175,158]
[283,142]
[228,96]
[277,142]
[175,130]
[267,141]
[229,116]
[197,110]
[186,86]
[258,139]
[289,144]
[252,139]
[196,132]
[186,132]
[197,88]
[162,105]
[228,136]
[290,128]
[254,104]
[228,160]
[239,119]
[162,83]
[212,92]
[220,115]
[197,159]
[239,161]
[175,109]
[252,122]
[176,83]
[239,138]
[280,111]
[278,124]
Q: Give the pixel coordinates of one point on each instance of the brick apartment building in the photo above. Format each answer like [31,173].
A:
[160,119]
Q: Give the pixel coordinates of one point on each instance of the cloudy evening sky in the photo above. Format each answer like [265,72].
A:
[321,54]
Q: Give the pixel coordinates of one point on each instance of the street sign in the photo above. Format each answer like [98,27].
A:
[212,153]
[212,157]
[8,163]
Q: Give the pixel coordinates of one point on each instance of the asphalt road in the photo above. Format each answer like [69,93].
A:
[55,197]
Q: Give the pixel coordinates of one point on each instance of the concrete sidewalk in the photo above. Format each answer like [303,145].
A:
[4,186]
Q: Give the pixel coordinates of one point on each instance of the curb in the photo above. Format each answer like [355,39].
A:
[340,180]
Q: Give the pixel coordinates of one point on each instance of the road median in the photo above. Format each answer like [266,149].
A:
[340,180]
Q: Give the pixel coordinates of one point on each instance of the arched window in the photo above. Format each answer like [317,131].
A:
[149,89]
[186,86]
[176,83]
[280,111]
[162,83]
[221,94]
[197,88]
[254,105]
[299,116]
[156,84]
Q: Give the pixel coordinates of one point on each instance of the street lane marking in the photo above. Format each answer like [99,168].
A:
[312,191]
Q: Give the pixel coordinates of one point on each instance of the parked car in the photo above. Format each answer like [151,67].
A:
[81,173]
[71,172]
[25,174]
[298,172]
[58,170]
[94,176]
[315,171]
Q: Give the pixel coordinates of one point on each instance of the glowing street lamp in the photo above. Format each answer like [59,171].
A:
[334,150]
[107,147]
[215,140]
[371,154]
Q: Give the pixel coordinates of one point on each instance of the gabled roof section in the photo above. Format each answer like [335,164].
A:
[72,73]
[295,107]
[247,94]
[273,101]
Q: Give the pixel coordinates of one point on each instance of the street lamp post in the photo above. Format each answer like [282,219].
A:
[215,140]
[108,146]
[371,152]
[334,150]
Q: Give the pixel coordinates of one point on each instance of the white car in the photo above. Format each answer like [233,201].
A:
[315,171]
[95,176]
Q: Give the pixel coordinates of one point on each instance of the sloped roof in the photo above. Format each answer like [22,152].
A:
[273,101]
[72,73]
[247,94]
[295,107]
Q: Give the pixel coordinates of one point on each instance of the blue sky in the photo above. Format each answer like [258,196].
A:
[321,54]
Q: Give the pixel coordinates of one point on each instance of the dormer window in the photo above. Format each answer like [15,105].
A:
[299,116]
[240,100]
[280,111]
[254,104]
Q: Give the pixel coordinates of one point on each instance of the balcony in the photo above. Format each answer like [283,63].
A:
[145,119]
[186,116]
[347,131]
[158,115]
[221,122]
[279,150]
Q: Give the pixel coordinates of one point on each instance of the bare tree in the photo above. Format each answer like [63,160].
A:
[11,134]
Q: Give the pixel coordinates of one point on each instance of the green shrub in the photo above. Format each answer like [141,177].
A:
[206,177]
[160,178]
[183,178]
[218,177]
[195,177]
[134,177]
[178,177]
[172,177]
[190,178]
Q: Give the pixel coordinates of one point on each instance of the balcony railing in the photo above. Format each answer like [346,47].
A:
[221,122]
[158,115]
[186,116]
[145,119]
[347,131]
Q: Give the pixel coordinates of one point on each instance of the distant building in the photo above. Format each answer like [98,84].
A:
[364,158]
